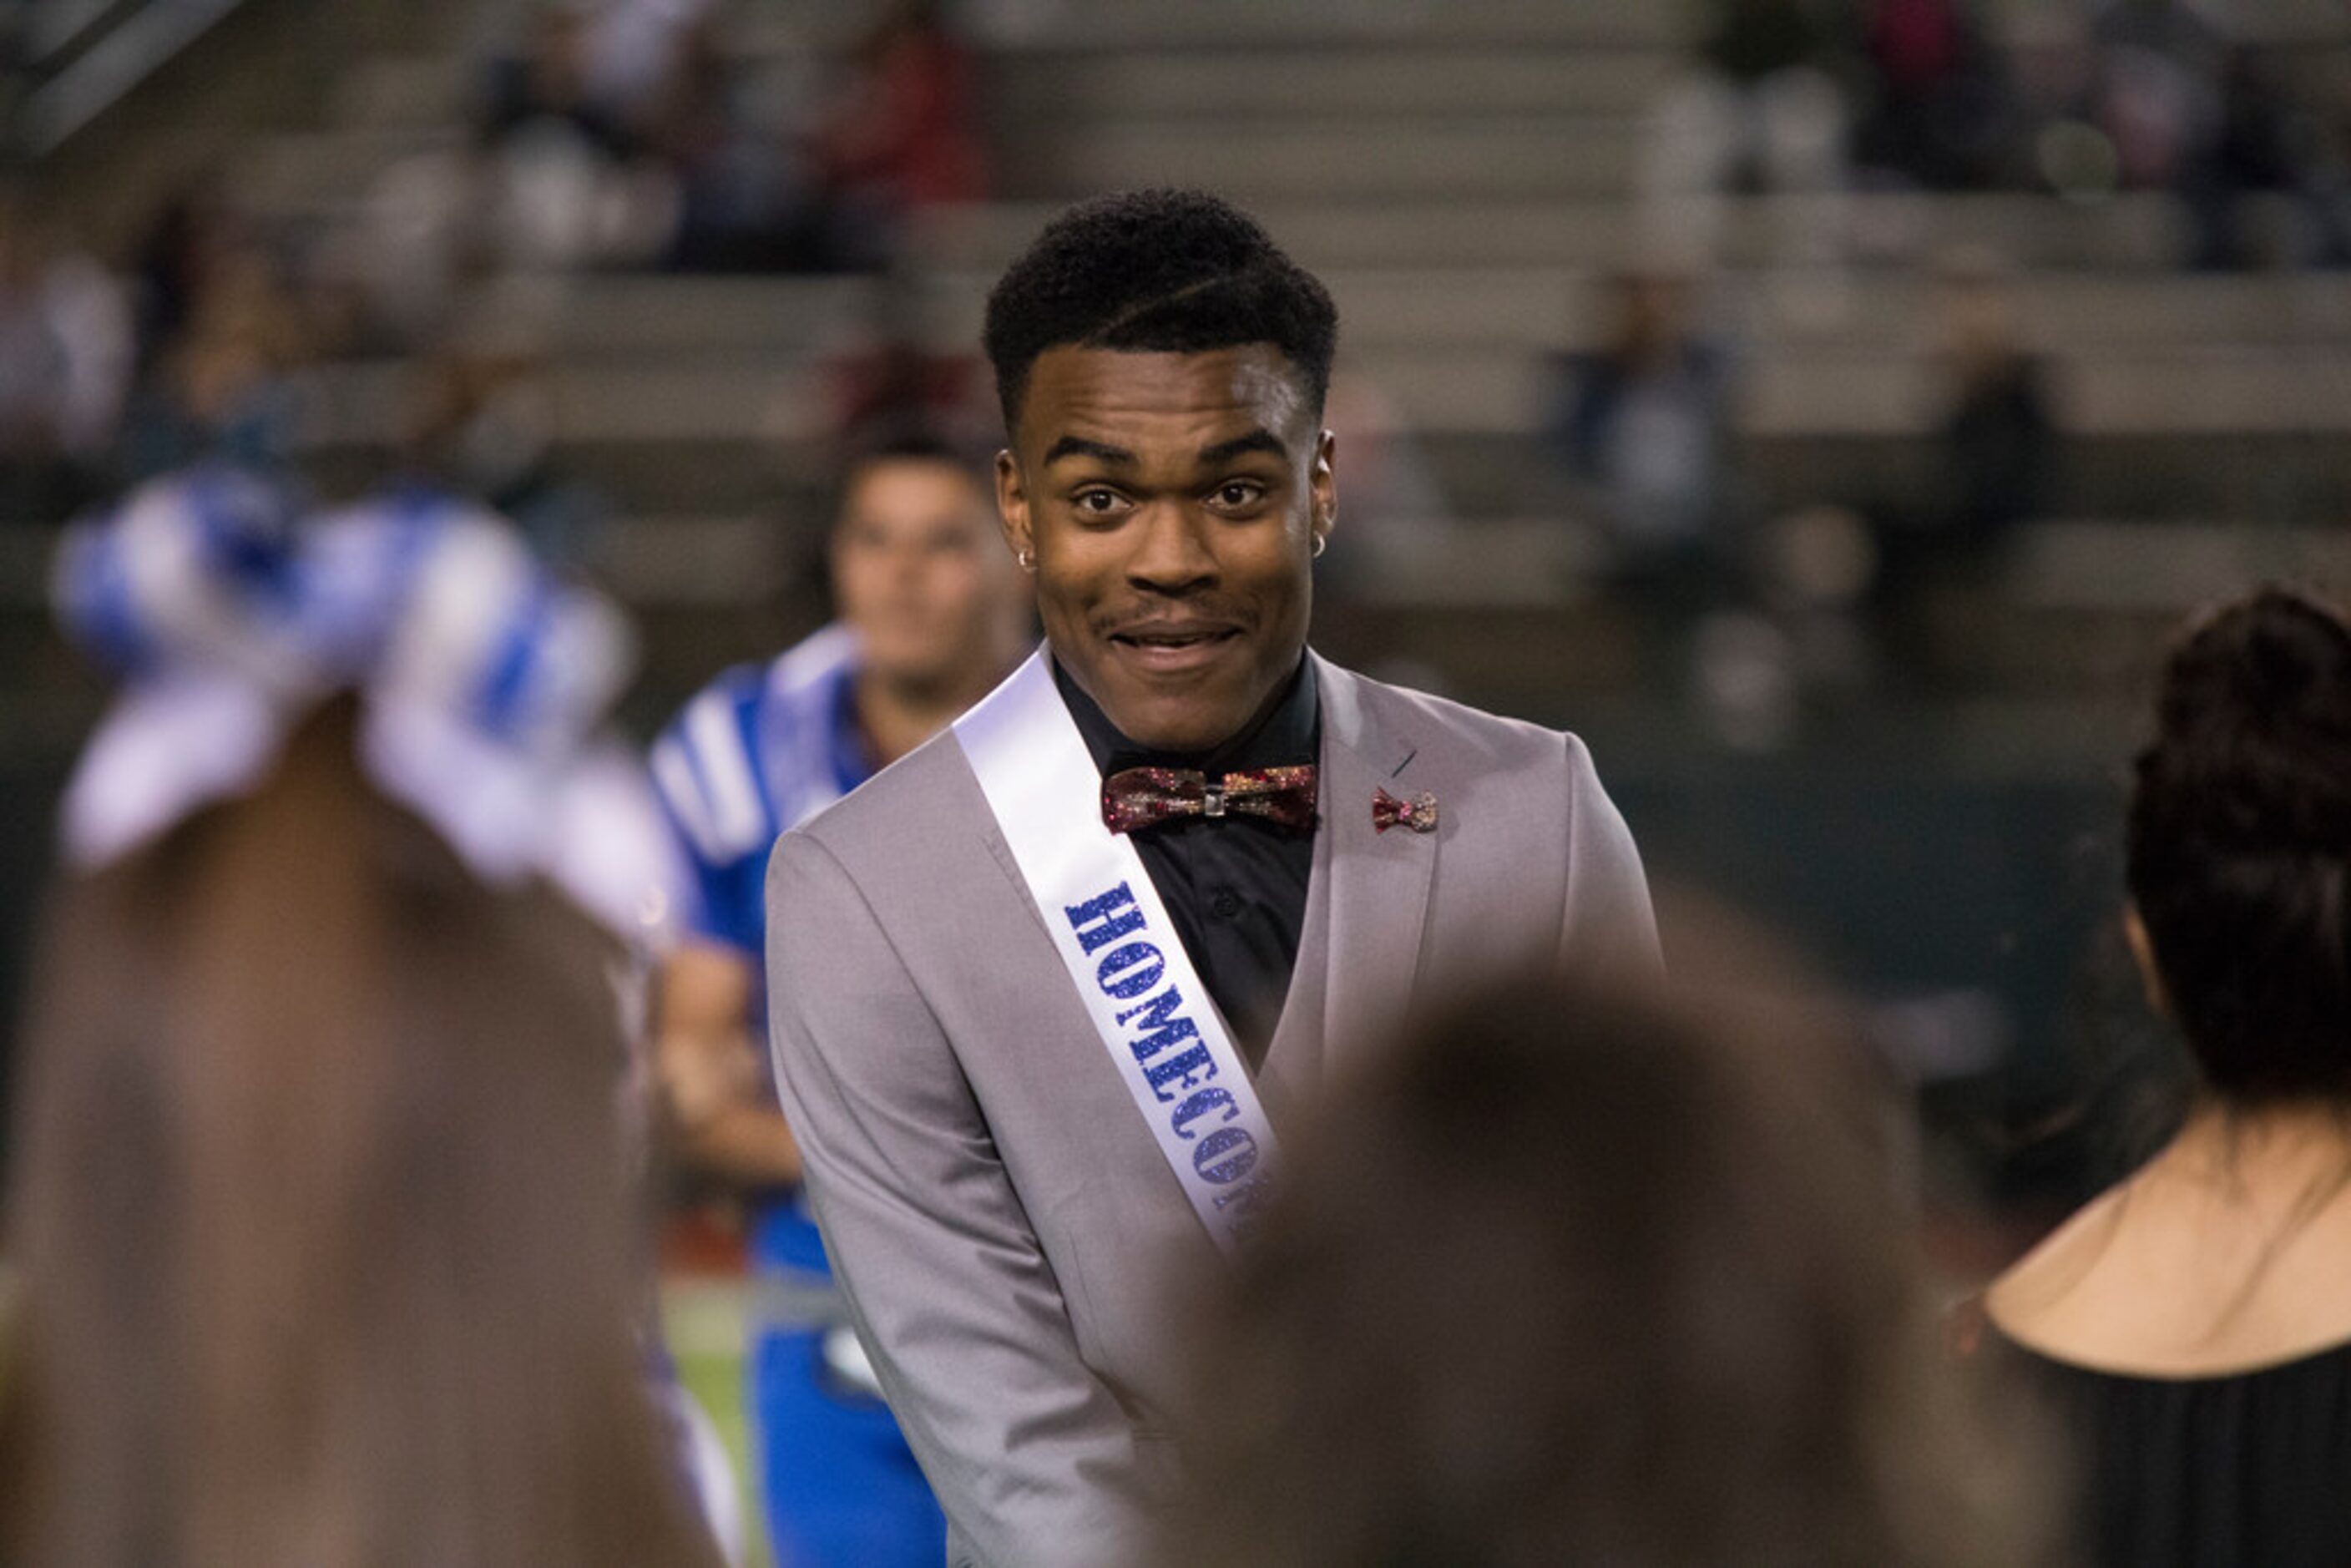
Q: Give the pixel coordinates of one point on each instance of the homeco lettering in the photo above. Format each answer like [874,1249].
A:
[1176,1063]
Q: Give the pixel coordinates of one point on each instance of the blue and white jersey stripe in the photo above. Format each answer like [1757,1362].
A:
[758,751]
[755,752]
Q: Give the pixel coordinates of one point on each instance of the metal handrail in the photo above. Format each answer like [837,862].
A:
[76,58]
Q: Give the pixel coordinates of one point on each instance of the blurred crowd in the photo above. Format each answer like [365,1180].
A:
[1824,106]
[643,134]
[1644,426]
[1817,97]
[637,135]
[647,135]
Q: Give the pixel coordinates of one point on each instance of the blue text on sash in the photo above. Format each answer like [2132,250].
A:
[1134,970]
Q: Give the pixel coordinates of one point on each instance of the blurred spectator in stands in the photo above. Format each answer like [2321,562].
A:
[171,259]
[634,47]
[1643,422]
[547,84]
[219,386]
[481,423]
[2327,163]
[2158,88]
[1937,110]
[641,132]
[1996,454]
[1993,463]
[2191,110]
[2266,202]
[35,479]
[2160,96]
[424,226]
[2192,1326]
[1761,105]
[65,361]
[743,190]
[2146,112]
[1397,511]
[1578,1277]
[892,380]
[573,185]
[904,134]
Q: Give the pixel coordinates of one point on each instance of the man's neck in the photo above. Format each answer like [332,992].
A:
[895,717]
[1286,729]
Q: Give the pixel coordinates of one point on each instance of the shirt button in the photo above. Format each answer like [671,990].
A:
[1226,902]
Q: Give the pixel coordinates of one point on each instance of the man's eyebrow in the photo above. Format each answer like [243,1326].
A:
[1079,446]
[1255,441]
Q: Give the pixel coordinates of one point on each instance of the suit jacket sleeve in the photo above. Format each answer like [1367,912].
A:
[1607,927]
[1031,1456]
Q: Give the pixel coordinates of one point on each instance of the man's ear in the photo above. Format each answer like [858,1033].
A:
[1322,484]
[2142,946]
[1012,510]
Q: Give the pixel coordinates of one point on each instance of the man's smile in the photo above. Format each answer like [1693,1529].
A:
[1174,647]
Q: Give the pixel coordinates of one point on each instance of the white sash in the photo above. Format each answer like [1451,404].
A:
[1155,1018]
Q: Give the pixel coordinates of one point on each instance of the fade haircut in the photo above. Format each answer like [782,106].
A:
[1160,271]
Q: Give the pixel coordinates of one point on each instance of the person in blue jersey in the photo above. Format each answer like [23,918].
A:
[932,613]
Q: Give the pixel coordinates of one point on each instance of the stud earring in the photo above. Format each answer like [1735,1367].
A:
[1027,558]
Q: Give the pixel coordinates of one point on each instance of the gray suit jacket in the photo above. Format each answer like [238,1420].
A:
[1014,1251]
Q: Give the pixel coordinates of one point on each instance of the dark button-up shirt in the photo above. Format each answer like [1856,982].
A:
[1234,885]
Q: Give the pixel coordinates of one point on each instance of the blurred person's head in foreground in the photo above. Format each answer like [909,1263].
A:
[1162,366]
[2239,839]
[320,1211]
[918,573]
[1579,1275]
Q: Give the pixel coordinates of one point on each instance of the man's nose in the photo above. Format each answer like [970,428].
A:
[1171,555]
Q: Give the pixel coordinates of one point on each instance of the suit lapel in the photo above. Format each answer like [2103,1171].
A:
[1359,953]
[1366,902]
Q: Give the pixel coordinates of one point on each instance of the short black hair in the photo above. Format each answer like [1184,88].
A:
[906,443]
[1158,271]
[2240,847]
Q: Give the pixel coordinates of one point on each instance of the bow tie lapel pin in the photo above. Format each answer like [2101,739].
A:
[1418,812]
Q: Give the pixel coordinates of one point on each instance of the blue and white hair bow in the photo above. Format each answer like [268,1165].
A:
[483,678]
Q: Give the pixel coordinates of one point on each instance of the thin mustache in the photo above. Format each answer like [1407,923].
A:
[1190,626]
[1187,621]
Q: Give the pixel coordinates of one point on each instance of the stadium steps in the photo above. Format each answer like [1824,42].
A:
[1045,90]
[2272,478]
[1540,157]
[2126,391]
[1153,26]
[255,76]
[1528,309]
[2137,232]
[1146,27]
[1459,172]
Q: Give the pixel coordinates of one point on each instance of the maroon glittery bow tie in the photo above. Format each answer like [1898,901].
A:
[1144,796]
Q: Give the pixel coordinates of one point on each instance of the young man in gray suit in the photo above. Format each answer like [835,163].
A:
[1044,992]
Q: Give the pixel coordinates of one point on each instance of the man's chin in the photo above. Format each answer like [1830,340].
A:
[1174,722]
[915,677]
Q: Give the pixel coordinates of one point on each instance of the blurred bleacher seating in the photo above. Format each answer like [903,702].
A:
[1460,173]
